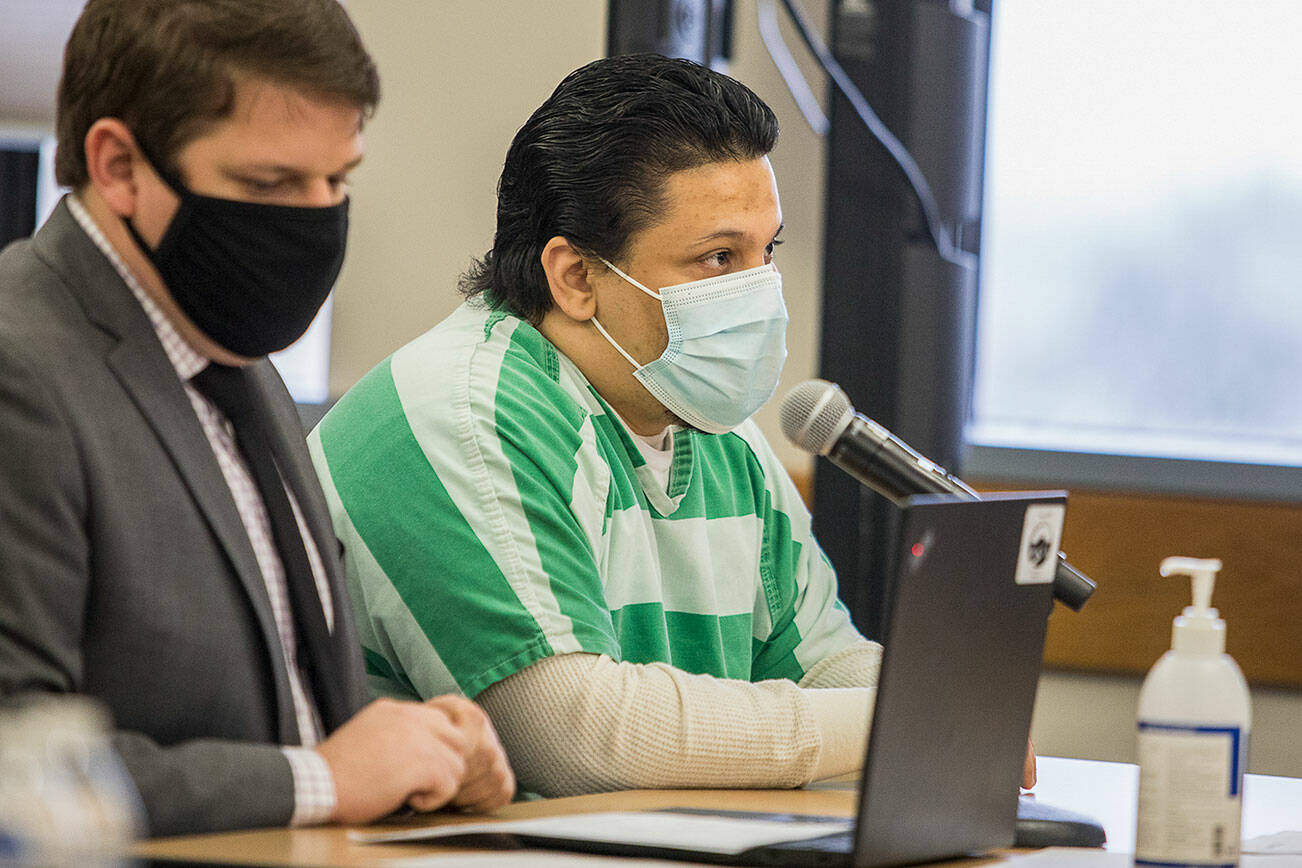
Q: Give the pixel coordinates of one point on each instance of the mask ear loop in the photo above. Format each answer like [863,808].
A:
[170,180]
[168,177]
[605,334]
[612,267]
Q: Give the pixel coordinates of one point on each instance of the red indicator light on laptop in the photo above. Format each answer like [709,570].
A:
[918,549]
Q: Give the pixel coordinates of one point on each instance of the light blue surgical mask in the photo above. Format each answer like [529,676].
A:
[727,343]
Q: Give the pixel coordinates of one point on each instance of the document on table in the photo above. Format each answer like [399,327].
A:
[1280,842]
[520,859]
[666,829]
[1072,857]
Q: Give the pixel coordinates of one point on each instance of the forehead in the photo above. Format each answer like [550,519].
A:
[274,123]
[738,196]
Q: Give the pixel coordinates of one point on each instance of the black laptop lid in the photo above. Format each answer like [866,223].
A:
[964,640]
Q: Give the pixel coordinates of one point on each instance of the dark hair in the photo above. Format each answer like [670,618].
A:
[591,163]
[168,68]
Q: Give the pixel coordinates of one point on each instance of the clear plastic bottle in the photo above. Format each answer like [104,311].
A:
[65,798]
[1194,720]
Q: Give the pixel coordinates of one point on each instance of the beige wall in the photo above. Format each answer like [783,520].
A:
[1092,716]
[456,86]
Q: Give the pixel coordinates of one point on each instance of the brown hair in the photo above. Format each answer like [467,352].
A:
[168,68]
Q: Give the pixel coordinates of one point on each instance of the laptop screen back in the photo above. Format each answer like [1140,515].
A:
[964,640]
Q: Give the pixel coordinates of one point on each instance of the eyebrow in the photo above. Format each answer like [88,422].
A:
[285,171]
[731,233]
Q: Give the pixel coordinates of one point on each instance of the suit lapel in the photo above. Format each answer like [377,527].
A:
[145,373]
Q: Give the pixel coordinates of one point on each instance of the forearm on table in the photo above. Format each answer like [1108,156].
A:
[856,665]
[843,687]
[582,723]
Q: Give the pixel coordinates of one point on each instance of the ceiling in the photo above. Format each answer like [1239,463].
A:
[32,34]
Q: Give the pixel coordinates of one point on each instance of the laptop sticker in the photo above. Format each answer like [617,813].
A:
[1037,560]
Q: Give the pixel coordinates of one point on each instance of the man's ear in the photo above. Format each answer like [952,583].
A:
[567,277]
[110,164]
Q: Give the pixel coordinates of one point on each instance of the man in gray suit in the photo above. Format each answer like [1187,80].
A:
[164,545]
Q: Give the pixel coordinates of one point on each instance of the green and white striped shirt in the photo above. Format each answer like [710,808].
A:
[495,511]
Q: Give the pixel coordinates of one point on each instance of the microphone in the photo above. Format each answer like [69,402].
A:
[817,417]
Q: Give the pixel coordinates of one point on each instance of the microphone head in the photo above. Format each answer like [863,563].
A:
[814,414]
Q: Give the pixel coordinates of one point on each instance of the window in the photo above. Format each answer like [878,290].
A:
[1141,248]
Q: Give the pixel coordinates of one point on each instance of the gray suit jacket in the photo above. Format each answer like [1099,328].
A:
[125,573]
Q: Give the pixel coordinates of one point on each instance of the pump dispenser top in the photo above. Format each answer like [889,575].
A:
[1199,629]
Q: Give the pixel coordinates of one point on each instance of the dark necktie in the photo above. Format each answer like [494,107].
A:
[229,389]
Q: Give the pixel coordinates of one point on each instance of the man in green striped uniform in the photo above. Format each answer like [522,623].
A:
[554,501]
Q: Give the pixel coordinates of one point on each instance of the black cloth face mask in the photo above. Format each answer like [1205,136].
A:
[251,276]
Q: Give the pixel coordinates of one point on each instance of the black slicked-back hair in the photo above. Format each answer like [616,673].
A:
[591,163]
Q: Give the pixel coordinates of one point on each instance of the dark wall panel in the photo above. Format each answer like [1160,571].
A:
[18,174]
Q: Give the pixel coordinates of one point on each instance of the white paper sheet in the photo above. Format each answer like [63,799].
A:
[706,834]
[1280,842]
[521,859]
[1070,857]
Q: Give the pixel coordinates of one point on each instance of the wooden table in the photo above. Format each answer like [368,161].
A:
[1103,790]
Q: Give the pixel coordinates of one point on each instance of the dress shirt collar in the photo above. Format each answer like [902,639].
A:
[183,357]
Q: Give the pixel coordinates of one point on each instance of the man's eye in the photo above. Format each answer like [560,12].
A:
[773,245]
[719,258]
[258,185]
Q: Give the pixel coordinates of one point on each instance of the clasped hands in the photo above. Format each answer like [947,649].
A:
[426,755]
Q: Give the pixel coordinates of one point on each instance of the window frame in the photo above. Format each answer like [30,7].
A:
[1144,474]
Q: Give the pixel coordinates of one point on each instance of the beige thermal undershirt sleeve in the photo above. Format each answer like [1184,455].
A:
[584,723]
[855,666]
[846,682]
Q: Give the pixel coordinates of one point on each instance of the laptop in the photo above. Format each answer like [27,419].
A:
[966,616]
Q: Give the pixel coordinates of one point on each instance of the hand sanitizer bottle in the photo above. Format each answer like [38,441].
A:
[1194,717]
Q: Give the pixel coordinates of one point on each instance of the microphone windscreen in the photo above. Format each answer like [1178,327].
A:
[814,414]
